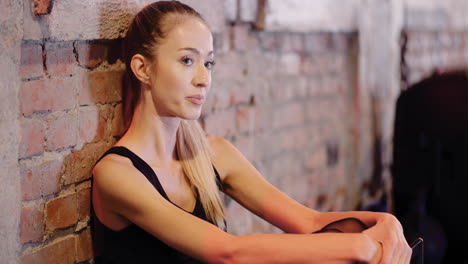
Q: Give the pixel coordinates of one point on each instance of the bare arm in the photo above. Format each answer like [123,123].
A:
[245,184]
[126,192]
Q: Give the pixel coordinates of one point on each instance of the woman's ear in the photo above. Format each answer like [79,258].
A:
[141,68]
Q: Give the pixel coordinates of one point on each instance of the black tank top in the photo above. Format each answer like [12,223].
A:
[133,244]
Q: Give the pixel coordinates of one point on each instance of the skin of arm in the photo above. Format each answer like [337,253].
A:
[245,184]
[125,192]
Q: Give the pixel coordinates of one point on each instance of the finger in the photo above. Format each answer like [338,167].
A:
[387,253]
[400,256]
[409,253]
[403,254]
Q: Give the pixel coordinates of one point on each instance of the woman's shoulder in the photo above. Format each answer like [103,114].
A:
[225,155]
[220,146]
[113,167]
[111,161]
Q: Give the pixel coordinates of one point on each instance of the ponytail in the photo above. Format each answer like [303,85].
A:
[195,155]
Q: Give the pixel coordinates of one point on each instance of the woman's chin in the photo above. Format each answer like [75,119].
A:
[191,116]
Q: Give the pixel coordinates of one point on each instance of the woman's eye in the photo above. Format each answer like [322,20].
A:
[210,64]
[187,61]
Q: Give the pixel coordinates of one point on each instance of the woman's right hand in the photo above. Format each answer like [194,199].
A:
[377,253]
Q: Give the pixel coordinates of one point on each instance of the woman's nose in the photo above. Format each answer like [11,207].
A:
[201,77]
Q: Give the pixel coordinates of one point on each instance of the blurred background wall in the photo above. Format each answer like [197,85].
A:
[305,89]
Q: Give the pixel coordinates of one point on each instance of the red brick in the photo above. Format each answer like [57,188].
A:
[261,122]
[61,251]
[42,7]
[32,223]
[245,118]
[282,90]
[339,200]
[101,87]
[218,100]
[239,36]
[293,139]
[30,184]
[79,164]
[47,95]
[292,42]
[246,145]
[32,137]
[84,249]
[221,123]
[239,94]
[91,55]
[51,173]
[318,43]
[31,60]
[40,180]
[309,65]
[84,202]
[233,69]
[60,59]
[118,128]
[61,212]
[291,114]
[269,41]
[62,131]
[317,160]
[290,63]
[92,124]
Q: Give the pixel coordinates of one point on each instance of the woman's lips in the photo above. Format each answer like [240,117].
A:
[196,99]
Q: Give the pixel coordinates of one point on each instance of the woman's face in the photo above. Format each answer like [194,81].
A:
[181,73]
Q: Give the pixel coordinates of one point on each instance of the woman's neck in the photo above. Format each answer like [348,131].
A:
[152,136]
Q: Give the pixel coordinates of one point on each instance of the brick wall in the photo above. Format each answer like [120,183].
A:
[69,104]
[434,39]
[431,51]
[283,98]
[272,97]
[289,97]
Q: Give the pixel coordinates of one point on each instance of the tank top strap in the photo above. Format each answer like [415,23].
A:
[146,170]
[140,165]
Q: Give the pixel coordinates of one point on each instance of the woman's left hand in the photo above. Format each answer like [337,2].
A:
[389,232]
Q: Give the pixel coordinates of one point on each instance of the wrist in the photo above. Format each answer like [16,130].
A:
[373,250]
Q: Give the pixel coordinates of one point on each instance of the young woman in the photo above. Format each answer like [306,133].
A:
[155,194]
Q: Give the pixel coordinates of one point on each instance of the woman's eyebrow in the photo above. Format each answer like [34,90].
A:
[194,50]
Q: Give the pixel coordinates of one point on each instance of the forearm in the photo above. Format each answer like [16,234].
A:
[293,248]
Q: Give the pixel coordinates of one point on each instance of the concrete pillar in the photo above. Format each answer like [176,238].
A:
[380,25]
[11,33]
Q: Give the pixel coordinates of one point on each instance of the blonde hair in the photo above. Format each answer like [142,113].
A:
[144,33]
[195,155]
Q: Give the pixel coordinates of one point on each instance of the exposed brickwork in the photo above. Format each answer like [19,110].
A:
[426,52]
[40,180]
[117,123]
[61,132]
[32,137]
[100,87]
[42,7]
[282,98]
[84,250]
[92,123]
[79,164]
[61,212]
[47,95]
[84,202]
[32,65]
[60,59]
[32,223]
[288,100]
[61,251]
[90,55]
